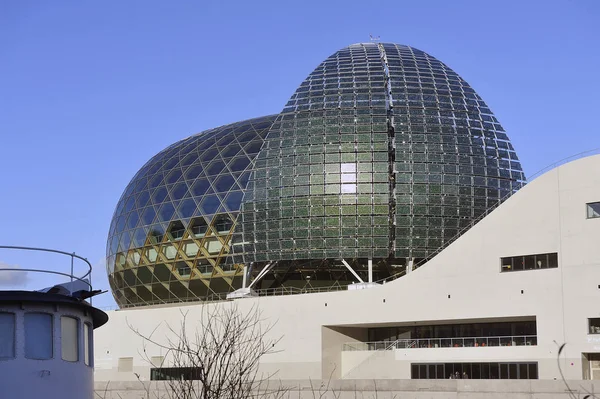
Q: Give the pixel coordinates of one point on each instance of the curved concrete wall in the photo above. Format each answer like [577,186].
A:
[462,283]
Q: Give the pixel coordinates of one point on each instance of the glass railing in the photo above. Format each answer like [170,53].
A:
[216,297]
[463,342]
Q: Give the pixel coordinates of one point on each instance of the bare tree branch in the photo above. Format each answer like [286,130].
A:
[216,358]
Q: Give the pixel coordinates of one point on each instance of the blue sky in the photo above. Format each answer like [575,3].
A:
[90,90]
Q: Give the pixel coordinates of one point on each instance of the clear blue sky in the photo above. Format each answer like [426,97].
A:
[90,90]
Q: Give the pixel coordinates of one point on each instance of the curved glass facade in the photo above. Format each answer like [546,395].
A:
[383,153]
[170,235]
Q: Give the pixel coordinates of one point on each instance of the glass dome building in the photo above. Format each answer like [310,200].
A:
[170,234]
[383,154]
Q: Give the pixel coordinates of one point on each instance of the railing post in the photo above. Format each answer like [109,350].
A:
[72,266]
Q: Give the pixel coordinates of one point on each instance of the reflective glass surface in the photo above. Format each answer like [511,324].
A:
[170,234]
[383,152]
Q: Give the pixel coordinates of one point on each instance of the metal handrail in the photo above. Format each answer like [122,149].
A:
[564,161]
[450,342]
[216,297]
[71,275]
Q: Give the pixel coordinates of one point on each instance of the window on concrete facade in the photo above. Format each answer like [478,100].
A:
[529,262]
[593,210]
[88,347]
[172,373]
[38,336]
[594,326]
[7,335]
[463,330]
[476,371]
[69,338]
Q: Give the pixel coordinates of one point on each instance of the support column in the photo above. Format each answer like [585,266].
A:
[360,280]
[245,276]
[370,264]
[409,267]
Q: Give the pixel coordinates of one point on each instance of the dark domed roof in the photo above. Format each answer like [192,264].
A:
[383,153]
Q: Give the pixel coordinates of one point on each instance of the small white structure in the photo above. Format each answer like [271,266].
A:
[46,343]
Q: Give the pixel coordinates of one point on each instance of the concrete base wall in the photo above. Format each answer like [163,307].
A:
[417,389]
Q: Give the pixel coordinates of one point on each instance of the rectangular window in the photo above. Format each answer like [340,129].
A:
[475,371]
[88,347]
[593,210]
[38,336]
[594,326]
[529,262]
[171,373]
[69,338]
[7,335]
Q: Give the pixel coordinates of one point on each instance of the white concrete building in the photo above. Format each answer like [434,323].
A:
[496,303]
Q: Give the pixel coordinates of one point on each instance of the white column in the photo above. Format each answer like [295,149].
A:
[370,263]
[244,276]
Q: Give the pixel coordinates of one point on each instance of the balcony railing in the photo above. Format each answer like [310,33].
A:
[465,342]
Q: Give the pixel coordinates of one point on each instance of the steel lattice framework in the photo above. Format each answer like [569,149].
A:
[170,235]
[383,153]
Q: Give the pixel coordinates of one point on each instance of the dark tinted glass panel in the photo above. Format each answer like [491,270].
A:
[164,202]
[529,262]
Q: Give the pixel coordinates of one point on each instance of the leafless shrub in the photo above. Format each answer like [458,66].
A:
[217,356]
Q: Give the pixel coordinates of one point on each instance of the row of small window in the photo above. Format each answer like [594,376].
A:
[529,262]
[476,371]
[39,337]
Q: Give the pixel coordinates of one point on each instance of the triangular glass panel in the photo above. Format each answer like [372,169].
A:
[179,191]
[159,195]
[215,168]
[166,212]
[133,220]
[230,151]
[125,241]
[208,141]
[200,187]
[210,204]
[209,155]
[148,215]
[140,184]
[142,199]
[171,163]
[243,179]
[193,172]
[187,208]
[155,181]
[114,244]
[239,164]
[174,176]
[234,200]
[120,223]
[139,237]
[253,147]
[224,183]
[129,204]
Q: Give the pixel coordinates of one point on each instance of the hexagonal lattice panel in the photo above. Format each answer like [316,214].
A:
[170,236]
